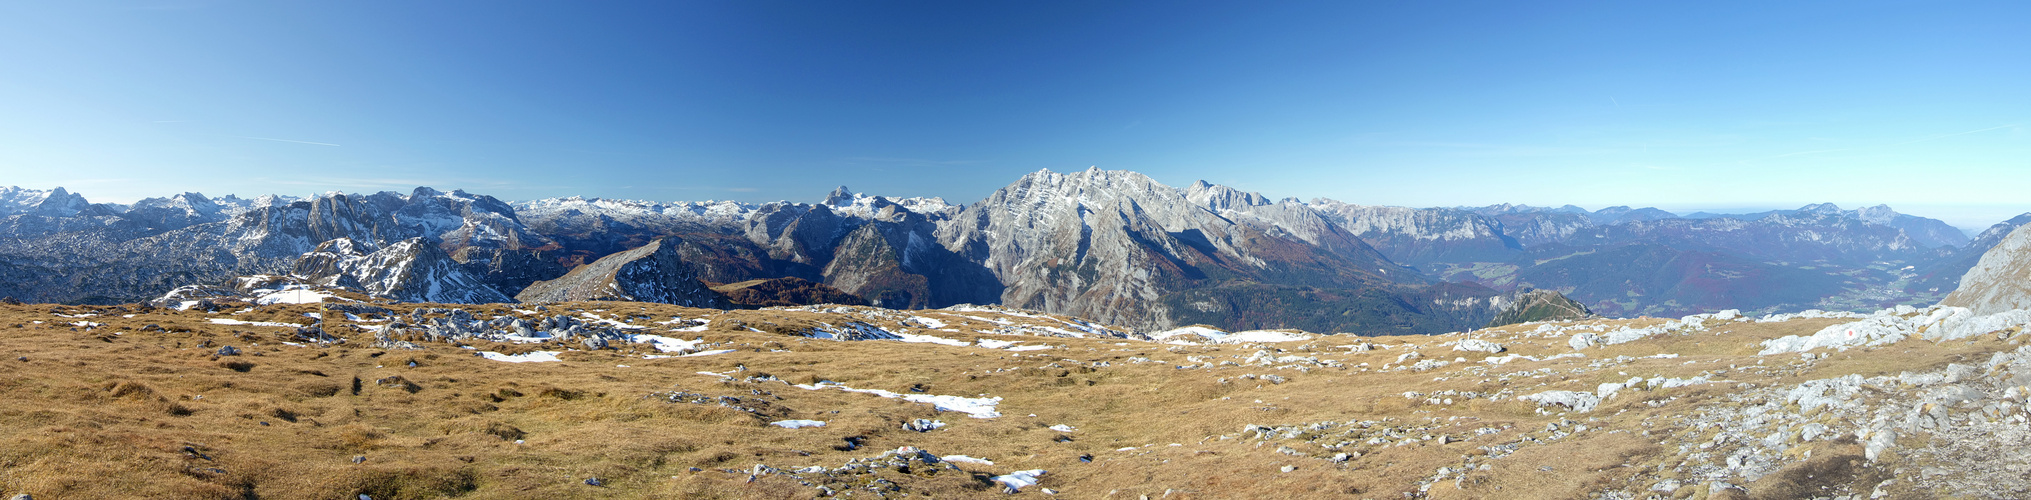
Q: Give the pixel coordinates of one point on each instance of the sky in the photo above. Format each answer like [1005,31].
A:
[1718,106]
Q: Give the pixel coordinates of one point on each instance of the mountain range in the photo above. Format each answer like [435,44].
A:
[1113,246]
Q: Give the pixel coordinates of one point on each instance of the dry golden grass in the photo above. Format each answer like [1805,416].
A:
[119,411]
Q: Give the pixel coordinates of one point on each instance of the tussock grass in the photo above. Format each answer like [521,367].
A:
[126,411]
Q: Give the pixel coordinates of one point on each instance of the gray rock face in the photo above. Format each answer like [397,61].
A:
[1120,248]
[508,270]
[64,250]
[655,272]
[412,270]
[1423,236]
[1944,275]
[2000,281]
[883,250]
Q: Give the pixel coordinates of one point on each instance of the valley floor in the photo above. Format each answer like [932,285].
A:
[135,402]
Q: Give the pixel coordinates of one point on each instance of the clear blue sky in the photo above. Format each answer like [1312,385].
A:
[1922,105]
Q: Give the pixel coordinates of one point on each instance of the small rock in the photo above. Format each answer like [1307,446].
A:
[228,351]
[1666,486]
[23,496]
[1717,487]
[1583,340]
[593,481]
[1880,441]
[359,458]
[1289,468]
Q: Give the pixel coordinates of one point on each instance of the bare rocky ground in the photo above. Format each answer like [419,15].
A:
[622,399]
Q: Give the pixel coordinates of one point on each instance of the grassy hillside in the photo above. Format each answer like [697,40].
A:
[127,402]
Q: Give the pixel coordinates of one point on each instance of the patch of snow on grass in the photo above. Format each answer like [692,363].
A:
[928,322]
[1020,479]
[966,459]
[1208,334]
[293,296]
[1191,335]
[929,339]
[666,344]
[1264,336]
[229,321]
[707,353]
[975,407]
[534,357]
[797,424]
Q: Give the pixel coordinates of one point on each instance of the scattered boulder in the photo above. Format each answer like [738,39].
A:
[1584,340]
[1575,401]
[1477,345]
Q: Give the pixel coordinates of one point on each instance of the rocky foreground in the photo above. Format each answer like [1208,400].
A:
[619,399]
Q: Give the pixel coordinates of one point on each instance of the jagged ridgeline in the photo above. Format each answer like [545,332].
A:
[1112,246]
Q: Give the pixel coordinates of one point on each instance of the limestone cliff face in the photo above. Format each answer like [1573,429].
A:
[2001,281]
[1119,247]
[62,249]
[412,270]
[1422,236]
[655,272]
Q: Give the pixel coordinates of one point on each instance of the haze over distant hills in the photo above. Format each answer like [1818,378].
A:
[1111,246]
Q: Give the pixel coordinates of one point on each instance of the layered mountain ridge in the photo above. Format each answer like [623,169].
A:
[1626,262]
[1113,246]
